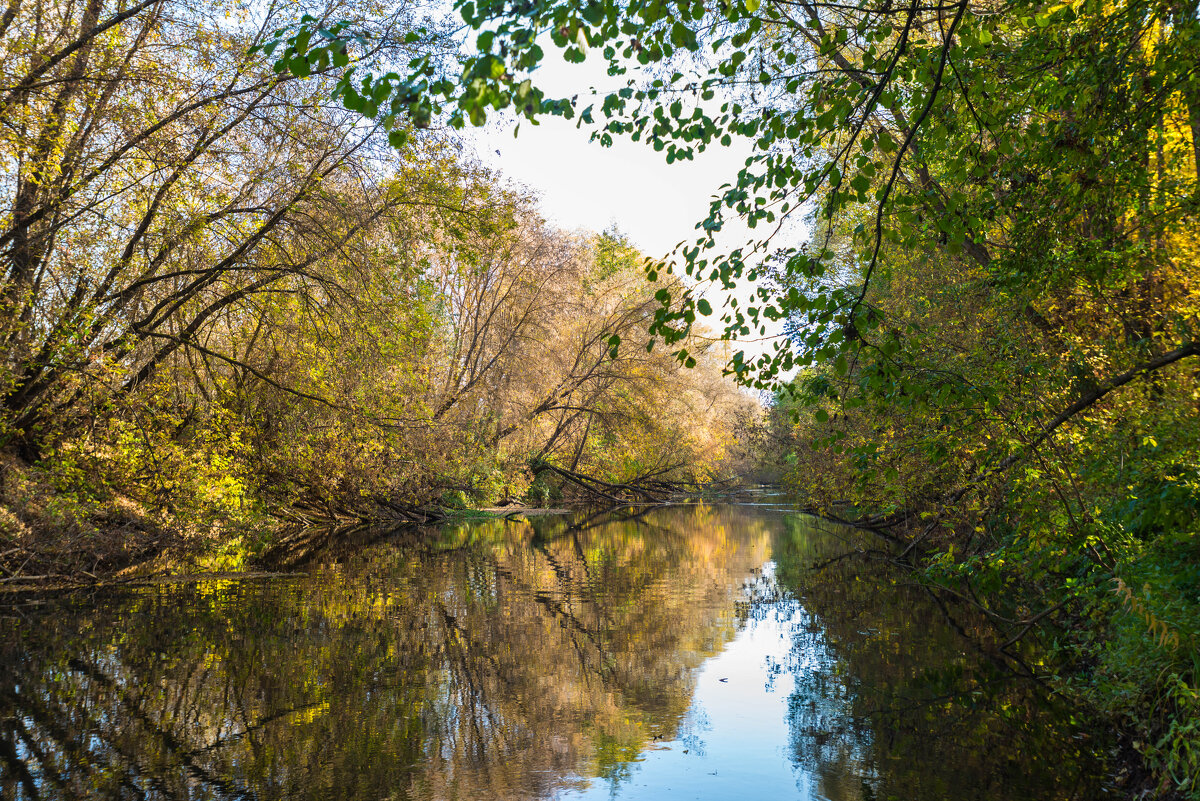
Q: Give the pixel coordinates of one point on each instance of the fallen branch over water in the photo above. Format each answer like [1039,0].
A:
[649,487]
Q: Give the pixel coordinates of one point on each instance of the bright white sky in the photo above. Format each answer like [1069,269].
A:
[584,185]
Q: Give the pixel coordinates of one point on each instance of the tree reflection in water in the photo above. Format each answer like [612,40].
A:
[501,661]
[895,698]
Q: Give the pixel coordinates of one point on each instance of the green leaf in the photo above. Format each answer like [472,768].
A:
[614,345]
[299,67]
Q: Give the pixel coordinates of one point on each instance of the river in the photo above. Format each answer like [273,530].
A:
[690,652]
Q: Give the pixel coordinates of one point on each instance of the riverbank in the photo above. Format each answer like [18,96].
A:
[55,535]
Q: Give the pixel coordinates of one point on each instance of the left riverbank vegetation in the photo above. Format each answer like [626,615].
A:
[992,327]
[229,303]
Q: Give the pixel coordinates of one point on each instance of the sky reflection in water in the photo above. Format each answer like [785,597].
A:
[733,741]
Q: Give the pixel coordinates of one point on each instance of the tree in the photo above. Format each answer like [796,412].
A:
[159,182]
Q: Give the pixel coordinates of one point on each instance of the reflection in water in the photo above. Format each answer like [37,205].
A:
[684,653]
[894,699]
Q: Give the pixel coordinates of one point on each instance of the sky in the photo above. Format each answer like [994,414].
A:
[584,185]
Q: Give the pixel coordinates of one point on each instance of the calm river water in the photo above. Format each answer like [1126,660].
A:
[684,653]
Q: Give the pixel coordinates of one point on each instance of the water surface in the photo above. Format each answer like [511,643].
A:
[680,653]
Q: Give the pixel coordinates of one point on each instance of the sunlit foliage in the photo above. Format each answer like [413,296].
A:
[226,299]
